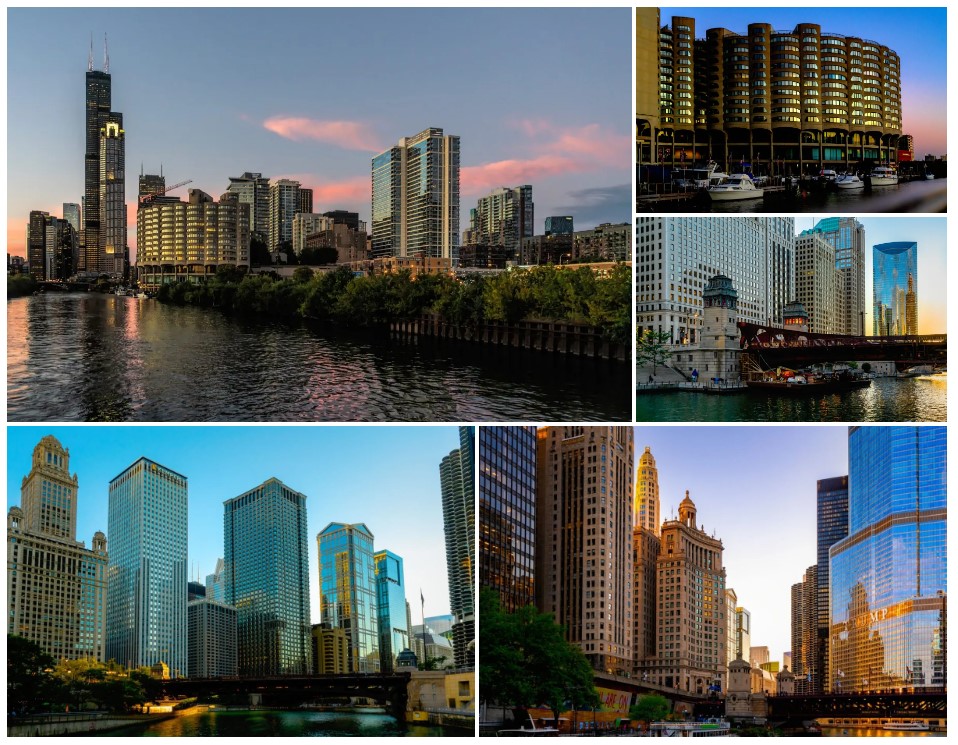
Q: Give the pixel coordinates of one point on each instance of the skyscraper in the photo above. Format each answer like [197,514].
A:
[457,478]
[805,623]
[832,526]
[56,587]
[146,621]
[415,197]
[391,608]
[99,87]
[284,203]
[584,566]
[817,282]
[37,243]
[847,235]
[503,218]
[646,508]
[216,583]
[894,284]
[507,511]
[253,189]
[888,576]
[212,638]
[112,249]
[267,579]
[347,591]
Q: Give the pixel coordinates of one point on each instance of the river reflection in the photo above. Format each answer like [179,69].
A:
[91,357]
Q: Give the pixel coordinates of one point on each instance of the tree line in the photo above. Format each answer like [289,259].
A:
[576,296]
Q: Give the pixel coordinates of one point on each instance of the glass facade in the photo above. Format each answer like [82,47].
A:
[507,508]
[847,235]
[267,579]
[348,591]
[457,475]
[146,620]
[888,577]
[895,288]
[391,608]
[832,526]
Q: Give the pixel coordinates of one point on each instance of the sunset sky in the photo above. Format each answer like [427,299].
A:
[540,96]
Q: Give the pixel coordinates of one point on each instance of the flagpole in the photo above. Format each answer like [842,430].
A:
[422,606]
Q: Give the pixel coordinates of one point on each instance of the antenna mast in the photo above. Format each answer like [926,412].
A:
[106,55]
[89,64]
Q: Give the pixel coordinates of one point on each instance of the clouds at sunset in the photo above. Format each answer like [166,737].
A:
[345,134]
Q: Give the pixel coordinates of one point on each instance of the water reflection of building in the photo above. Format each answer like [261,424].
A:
[888,591]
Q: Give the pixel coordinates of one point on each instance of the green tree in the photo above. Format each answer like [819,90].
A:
[650,708]
[258,251]
[319,256]
[652,348]
[19,285]
[302,274]
[29,679]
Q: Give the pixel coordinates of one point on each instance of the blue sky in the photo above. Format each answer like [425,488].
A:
[755,488]
[386,477]
[540,96]
[917,34]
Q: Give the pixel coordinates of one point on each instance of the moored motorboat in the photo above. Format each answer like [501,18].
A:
[849,181]
[883,176]
[736,186]
[801,385]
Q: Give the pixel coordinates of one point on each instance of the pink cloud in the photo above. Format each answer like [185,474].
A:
[476,179]
[348,135]
[330,195]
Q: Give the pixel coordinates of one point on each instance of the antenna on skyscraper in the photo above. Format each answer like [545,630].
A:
[89,65]
[106,55]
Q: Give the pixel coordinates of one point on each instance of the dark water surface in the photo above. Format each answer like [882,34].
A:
[92,357]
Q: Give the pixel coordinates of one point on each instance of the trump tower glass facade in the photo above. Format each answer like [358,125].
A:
[347,594]
[895,288]
[391,605]
[267,579]
[888,591]
[146,576]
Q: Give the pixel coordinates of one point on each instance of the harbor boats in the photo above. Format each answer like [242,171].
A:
[848,182]
[710,728]
[883,176]
[915,725]
[827,175]
[735,187]
[809,384]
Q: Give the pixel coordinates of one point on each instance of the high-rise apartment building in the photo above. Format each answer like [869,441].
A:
[146,621]
[798,100]
[507,514]
[888,576]
[895,285]
[267,579]
[212,639]
[559,225]
[805,623]
[832,526]
[305,224]
[56,587]
[503,218]
[605,242]
[676,256]
[847,235]
[817,282]
[284,203]
[415,197]
[348,591]
[457,478]
[305,200]
[391,608]
[253,189]
[691,617]
[330,650]
[584,542]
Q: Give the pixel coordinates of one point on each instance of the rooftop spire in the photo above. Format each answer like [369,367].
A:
[89,64]
[106,55]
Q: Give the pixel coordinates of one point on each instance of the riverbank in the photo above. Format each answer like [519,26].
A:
[60,725]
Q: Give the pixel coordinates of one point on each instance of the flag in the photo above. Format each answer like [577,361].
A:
[422,600]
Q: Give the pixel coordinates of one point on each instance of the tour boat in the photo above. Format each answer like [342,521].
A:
[913,725]
[711,728]
[883,176]
[799,385]
[849,181]
[737,186]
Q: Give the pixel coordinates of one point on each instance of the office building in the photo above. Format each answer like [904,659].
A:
[71,213]
[847,235]
[267,579]
[817,282]
[584,566]
[212,639]
[37,243]
[150,186]
[507,514]
[888,576]
[216,583]
[742,637]
[895,286]
[391,608]
[415,197]
[503,218]
[559,225]
[253,189]
[146,622]
[457,478]
[605,242]
[330,650]
[647,104]
[348,591]
[112,256]
[195,591]
[99,86]
[56,587]
[805,624]
[645,553]
[792,102]
[284,203]
[832,526]
[646,508]
[731,603]
[188,241]
[547,249]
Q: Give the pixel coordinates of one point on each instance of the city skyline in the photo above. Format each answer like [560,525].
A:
[567,134]
[325,464]
[916,34]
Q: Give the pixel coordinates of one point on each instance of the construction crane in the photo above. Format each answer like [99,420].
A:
[145,199]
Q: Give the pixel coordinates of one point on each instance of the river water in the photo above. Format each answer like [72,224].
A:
[93,357]
[202,723]
[885,400]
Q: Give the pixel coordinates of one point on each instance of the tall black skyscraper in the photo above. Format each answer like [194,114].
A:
[832,527]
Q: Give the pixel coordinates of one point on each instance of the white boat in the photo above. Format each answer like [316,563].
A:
[914,726]
[849,181]
[827,174]
[929,176]
[711,728]
[883,176]
[736,186]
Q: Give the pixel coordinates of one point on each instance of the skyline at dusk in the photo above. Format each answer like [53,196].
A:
[917,35]
[330,465]
[210,93]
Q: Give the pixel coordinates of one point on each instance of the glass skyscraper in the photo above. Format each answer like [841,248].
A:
[267,579]
[457,474]
[888,576]
[895,288]
[832,526]
[507,509]
[347,591]
[146,621]
[391,608]
[847,235]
